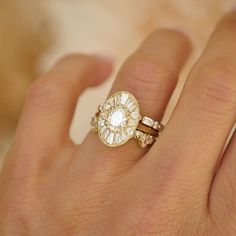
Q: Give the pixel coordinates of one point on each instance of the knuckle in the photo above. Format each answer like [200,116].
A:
[146,71]
[215,88]
[147,75]
[43,91]
[38,87]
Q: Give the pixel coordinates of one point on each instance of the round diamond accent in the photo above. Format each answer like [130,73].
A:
[118,119]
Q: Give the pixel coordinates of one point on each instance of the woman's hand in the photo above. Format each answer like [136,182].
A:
[183,185]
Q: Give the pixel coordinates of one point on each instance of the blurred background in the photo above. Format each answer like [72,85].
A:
[34,34]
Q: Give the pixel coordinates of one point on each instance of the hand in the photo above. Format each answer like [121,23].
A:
[183,185]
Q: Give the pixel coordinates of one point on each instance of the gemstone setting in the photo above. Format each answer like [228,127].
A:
[118,119]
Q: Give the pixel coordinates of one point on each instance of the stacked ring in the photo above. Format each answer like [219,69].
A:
[118,120]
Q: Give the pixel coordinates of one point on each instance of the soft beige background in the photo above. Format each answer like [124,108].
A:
[115,27]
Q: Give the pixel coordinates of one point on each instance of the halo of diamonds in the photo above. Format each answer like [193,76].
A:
[118,119]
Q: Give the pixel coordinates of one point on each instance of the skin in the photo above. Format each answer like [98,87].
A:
[185,184]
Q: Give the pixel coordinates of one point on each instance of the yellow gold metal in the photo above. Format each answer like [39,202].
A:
[118,120]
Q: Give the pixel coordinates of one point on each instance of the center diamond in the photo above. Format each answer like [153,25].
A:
[117,117]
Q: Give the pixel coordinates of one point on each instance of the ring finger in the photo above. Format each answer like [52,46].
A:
[150,74]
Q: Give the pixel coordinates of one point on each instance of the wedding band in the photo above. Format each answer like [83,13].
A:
[119,119]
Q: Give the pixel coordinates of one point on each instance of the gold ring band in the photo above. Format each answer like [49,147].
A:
[148,130]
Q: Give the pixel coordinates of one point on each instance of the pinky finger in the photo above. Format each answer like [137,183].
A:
[51,100]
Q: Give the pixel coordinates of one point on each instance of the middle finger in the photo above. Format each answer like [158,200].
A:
[195,136]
